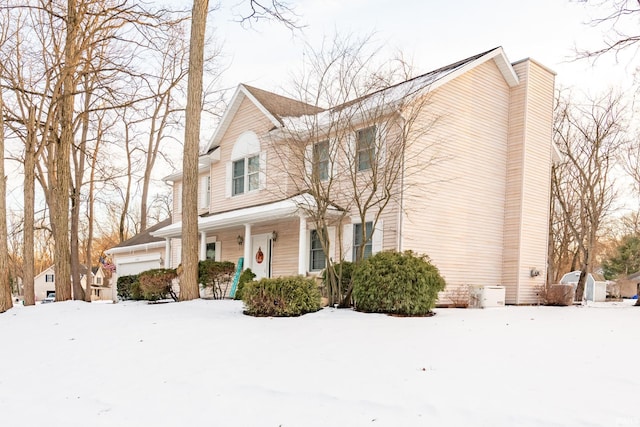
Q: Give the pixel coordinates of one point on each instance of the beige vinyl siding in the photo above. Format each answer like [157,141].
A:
[230,250]
[247,118]
[536,171]
[454,210]
[514,193]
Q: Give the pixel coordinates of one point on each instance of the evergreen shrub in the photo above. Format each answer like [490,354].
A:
[156,284]
[246,276]
[281,297]
[402,283]
[216,275]
[129,288]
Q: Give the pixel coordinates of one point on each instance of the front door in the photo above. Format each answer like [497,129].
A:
[261,255]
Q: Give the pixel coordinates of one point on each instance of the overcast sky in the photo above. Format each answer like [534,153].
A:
[433,33]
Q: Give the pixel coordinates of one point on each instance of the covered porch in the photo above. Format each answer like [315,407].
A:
[272,239]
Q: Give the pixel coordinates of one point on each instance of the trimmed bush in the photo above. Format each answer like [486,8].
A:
[129,288]
[281,297]
[216,275]
[156,284]
[246,276]
[397,283]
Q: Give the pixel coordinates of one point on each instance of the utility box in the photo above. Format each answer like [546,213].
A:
[487,296]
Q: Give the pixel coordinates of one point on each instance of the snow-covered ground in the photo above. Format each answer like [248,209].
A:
[203,363]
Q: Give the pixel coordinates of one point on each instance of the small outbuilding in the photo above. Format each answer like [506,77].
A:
[594,290]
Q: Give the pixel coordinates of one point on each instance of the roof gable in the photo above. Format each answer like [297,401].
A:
[272,105]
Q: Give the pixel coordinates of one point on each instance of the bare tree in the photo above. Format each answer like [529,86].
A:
[6,301]
[621,18]
[589,138]
[351,158]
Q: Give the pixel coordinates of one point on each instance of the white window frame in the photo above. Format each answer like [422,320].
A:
[369,150]
[321,164]
[357,235]
[313,250]
[251,179]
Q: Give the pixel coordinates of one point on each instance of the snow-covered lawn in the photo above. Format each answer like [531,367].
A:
[203,363]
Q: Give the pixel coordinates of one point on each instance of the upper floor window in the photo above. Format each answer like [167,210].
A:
[246,175]
[321,160]
[358,239]
[245,171]
[48,278]
[98,280]
[365,148]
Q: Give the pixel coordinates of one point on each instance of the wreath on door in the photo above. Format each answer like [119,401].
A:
[259,255]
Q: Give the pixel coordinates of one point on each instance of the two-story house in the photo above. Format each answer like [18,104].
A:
[482,219]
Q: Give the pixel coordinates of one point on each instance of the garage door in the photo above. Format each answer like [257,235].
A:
[136,265]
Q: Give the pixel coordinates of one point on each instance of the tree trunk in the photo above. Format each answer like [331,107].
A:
[189,280]
[60,205]
[6,301]
[28,257]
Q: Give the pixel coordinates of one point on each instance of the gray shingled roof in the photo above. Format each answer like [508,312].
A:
[281,106]
[145,236]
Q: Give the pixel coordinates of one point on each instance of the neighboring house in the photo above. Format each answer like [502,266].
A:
[139,253]
[483,219]
[101,285]
[44,283]
[627,287]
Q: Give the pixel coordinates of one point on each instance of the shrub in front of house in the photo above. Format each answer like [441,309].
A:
[216,275]
[401,283]
[129,287]
[246,276]
[281,297]
[156,284]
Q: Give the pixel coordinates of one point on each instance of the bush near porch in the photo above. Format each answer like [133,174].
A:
[281,297]
[217,276]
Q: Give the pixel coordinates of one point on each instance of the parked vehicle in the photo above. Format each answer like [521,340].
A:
[51,297]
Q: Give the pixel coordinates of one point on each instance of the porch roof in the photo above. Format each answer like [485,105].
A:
[272,211]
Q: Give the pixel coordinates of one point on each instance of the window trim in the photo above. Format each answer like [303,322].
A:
[320,167]
[313,251]
[247,175]
[356,236]
[369,149]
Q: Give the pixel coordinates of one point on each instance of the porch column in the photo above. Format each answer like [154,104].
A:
[247,247]
[203,245]
[167,253]
[302,247]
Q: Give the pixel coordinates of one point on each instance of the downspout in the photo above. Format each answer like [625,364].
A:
[401,208]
